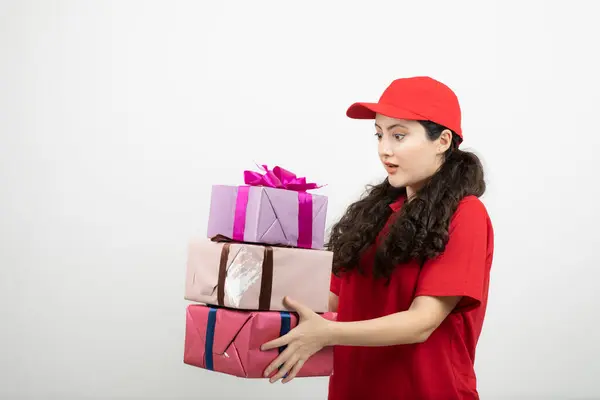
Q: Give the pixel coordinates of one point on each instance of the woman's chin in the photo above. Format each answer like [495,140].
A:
[396,181]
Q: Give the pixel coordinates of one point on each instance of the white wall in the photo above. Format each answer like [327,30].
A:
[113,114]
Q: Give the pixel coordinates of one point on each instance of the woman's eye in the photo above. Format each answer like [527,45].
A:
[399,136]
[378,135]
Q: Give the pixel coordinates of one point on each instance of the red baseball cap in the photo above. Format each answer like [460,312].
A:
[415,98]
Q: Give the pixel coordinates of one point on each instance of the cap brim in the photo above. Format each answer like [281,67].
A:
[369,110]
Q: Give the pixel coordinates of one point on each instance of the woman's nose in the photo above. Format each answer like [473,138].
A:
[384,148]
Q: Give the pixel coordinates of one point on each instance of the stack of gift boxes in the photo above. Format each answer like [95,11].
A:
[265,241]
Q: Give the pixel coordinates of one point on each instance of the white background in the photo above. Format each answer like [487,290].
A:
[116,117]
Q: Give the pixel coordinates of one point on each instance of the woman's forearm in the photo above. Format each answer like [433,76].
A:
[401,328]
[333,302]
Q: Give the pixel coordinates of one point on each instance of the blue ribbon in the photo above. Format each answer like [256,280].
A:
[210,338]
[285,326]
[286,323]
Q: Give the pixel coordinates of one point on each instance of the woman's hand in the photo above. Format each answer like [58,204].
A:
[311,335]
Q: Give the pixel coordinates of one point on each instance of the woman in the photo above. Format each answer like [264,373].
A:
[411,262]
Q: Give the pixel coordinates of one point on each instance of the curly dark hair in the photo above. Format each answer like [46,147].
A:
[420,229]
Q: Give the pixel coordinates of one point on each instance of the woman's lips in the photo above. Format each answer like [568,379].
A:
[390,168]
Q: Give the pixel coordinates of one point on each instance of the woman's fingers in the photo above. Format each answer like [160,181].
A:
[281,358]
[279,342]
[294,371]
[287,366]
[300,308]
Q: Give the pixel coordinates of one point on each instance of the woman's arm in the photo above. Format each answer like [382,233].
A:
[333,302]
[314,332]
[415,325]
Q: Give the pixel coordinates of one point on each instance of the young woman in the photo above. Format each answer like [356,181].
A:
[411,262]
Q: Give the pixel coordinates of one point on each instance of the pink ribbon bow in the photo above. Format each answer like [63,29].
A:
[278,178]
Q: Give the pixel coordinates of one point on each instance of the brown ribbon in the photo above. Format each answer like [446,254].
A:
[266,281]
[222,274]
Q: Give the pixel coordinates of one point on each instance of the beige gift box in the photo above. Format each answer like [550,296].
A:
[256,276]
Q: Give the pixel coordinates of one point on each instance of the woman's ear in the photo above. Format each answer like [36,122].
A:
[444,141]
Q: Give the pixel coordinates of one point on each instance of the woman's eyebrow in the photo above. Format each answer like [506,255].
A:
[393,126]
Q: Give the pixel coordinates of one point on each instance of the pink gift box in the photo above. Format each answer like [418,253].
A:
[228,341]
[268,215]
[256,277]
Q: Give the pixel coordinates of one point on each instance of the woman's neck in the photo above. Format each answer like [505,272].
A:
[411,192]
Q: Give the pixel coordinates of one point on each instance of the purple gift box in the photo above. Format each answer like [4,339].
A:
[273,208]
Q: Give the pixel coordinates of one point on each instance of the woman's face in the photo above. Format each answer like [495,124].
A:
[406,152]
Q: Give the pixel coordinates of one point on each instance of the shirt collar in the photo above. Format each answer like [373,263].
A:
[397,205]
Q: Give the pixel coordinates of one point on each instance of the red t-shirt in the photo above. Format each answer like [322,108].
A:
[441,368]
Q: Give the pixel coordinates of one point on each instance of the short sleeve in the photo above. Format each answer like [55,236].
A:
[462,269]
[334,285]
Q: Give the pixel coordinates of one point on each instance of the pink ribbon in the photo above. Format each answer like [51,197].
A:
[278,178]
[239,220]
[281,179]
[305,220]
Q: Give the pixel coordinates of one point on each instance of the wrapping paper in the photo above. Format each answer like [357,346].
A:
[268,215]
[256,277]
[228,341]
